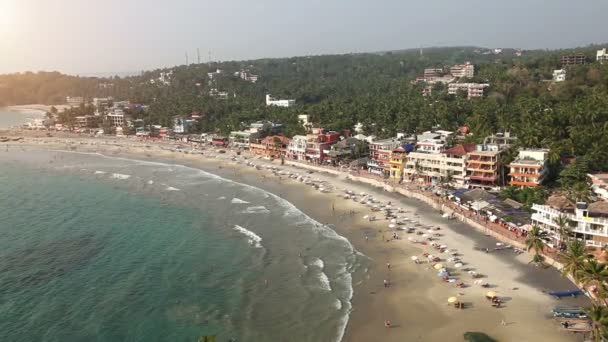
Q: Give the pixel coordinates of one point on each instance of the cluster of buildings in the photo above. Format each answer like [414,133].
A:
[455,72]
[559,75]
[163,79]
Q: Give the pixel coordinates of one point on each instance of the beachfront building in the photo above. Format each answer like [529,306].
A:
[483,167]
[574,59]
[559,75]
[472,89]
[380,155]
[599,184]
[272,101]
[397,161]
[219,141]
[587,222]
[529,169]
[256,131]
[602,55]
[318,142]
[346,150]
[74,101]
[463,70]
[272,146]
[117,118]
[445,164]
[297,148]
[88,121]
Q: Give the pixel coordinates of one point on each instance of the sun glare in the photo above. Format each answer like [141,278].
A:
[7,15]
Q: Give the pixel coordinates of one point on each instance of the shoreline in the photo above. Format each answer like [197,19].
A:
[416,303]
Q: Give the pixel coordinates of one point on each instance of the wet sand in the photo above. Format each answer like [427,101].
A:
[416,302]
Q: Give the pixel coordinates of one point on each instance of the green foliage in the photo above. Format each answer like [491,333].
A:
[526,196]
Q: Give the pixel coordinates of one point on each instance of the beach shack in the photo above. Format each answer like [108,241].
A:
[219,141]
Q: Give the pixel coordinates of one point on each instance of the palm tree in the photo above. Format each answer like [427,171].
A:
[534,241]
[563,230]
[598,314]
[595,274]
[574,259]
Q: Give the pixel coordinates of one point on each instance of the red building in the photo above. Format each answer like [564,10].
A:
[318,144]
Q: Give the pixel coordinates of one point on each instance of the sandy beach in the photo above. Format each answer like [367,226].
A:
[416,300]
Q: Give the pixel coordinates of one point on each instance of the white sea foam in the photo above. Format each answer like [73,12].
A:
[170,188]
[100,172]
[254,239]
[256,210]
[150,182]
[120,176]
[338,304]
[325,285]
[221,198]
[319,263]
[238,201]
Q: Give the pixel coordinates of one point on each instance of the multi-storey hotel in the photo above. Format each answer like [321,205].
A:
[529,169]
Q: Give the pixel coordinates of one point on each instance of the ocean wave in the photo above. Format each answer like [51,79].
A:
[100,172]
[254,239]
[120,176]
[150,182]
[221,198]
[170,188]
[256,210]
[238,201]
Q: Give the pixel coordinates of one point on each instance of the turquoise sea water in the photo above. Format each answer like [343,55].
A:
[109,249]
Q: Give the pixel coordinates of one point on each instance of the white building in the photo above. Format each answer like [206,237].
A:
[211,75]
[588,223]
[602,55]
[463,70]
[74,101]
[432,166]
[472,89]
[559,75]
[117,118]
[244,75]
[529,168]
[101,104]
[271,101]
[297,147]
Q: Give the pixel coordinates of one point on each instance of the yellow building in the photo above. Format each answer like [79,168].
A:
[397,163]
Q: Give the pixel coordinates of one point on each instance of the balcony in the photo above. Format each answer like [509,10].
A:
[522,183]
[520,174]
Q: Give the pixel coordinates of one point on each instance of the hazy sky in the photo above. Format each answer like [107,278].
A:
[89,36]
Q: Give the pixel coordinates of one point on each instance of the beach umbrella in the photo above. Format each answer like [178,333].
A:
[413,257]
[491,294]
[392,225]
[366,217]
[452,300]
[394,221]
[458,265]
[425,235]
[438,266]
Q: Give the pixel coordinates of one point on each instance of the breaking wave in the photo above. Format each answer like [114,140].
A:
[254,239]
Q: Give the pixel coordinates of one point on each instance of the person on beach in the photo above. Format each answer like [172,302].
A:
[387,324]
[386,283]
[388,265]
[503,323]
